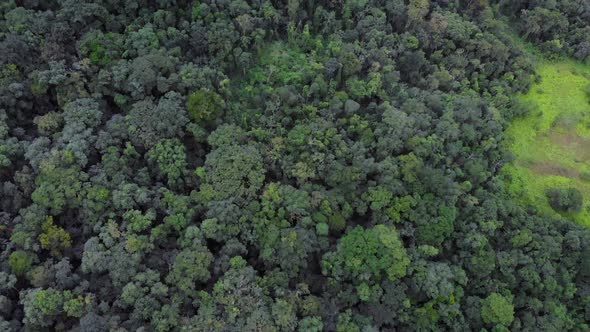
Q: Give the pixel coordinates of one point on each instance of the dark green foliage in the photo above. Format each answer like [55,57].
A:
[204,106]
[148,122]
[233,171]
[59,183]
[436,230]
[558,27]
[101,49]
[169,156]
[43,306]
[189,268]
[368,256]
[278,166]
[565,199]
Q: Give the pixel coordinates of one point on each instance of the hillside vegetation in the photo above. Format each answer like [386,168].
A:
[298,166]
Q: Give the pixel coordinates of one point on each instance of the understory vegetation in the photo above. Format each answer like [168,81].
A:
[237,165]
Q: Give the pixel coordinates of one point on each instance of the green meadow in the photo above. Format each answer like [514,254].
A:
[551,144]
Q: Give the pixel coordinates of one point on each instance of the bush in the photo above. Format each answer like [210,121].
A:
[565,199]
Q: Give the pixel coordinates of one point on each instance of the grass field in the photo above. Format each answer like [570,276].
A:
[552,143]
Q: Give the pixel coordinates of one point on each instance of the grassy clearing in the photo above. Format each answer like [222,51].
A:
[552,143]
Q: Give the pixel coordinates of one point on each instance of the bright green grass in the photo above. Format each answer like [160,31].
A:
[552,143]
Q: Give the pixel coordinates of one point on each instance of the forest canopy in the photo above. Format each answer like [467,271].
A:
[240,165]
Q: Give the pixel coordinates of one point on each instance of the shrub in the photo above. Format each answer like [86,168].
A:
[565,199]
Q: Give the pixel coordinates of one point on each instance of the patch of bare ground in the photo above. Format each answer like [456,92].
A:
[549,168]
[568,139]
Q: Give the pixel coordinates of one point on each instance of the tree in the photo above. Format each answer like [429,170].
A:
[310,324]
[148,122]
[92,322]
[497,309]
[20,262]
[227,134]
[136,221]
[237,289]
[367,255]
[225,220]
[204,106]
[436,230]
[49,123]
[102,49]
[222,38]
[169,157]
[54,238]
[190,267]
[544,24]
[392,131]
[234,171]
[417,9]
[42,306]
[59,183]
[80,118]
[442,281]
[284,315]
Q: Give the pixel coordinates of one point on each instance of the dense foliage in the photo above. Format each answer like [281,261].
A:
[565,199]
[233,165]
[558,27]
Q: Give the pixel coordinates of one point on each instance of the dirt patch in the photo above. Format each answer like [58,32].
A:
[568,139]
[549,168]
[566,121]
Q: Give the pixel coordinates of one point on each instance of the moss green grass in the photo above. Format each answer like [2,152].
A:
[552,143]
